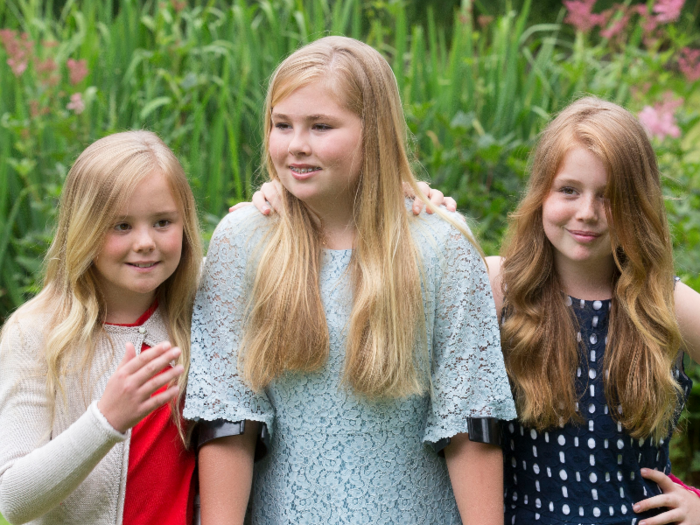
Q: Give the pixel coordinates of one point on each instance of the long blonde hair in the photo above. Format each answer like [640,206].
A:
[541,351]
[286,327]
[101,182]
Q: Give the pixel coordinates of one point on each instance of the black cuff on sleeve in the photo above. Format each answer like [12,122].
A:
[210,430]
[484,430]
[480,429]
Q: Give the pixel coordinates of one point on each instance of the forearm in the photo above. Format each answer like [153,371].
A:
[226,475]
[476,473]
[41,479]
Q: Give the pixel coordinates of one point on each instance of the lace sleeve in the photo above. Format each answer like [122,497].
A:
[468,374]
[215,389]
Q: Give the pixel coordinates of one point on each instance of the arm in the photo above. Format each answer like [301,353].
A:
[683,506]
[494,266]
[225,476]
[688,314]
[267,199]
[476,473]
[36,472]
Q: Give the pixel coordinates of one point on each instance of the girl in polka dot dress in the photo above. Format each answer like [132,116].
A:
[594,327]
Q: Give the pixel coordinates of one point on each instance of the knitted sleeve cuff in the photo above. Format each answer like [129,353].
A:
[104,424]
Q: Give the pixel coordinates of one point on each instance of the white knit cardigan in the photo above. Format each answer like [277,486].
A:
[73,472]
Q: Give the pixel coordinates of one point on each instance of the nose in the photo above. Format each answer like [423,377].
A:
[299,144]
[589,209]
[143,240]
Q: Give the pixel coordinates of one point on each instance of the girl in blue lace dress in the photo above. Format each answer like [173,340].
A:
[343,340]
[594,326]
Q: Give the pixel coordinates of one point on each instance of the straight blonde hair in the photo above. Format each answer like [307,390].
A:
[286,327]
[101,182]
[541,351]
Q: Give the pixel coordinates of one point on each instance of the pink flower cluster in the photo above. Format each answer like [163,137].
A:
[668,10]
[18,49]
[76,103]
[78,70]
[660,120]
[20,52]
[581,16]
[689,63]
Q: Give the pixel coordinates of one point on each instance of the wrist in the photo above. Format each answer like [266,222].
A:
[107,420]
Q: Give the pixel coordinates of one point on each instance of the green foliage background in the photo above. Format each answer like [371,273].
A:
[476,93]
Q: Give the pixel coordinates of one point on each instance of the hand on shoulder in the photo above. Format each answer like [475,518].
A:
[267,199]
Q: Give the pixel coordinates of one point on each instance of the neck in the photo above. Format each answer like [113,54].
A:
[590,280]
[337,225]
[123,310]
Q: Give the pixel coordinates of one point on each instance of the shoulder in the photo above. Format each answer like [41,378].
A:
[23,338]
[240,224]
[443,234]
[237,234]
[688,314]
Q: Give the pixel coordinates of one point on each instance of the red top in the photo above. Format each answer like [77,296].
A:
[686,487]
[159,487]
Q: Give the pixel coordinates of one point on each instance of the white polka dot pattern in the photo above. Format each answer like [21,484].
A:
[587,473]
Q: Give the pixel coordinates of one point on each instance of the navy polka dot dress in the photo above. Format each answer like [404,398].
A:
[587,473]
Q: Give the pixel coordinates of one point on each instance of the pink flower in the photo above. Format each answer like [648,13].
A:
[668,10]
[18,49]
[46,66]
[660,120]
[76,103]
[689,63]
[78,70]
[581,16]
[616,28]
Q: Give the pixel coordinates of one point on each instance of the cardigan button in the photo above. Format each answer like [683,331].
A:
[142,330]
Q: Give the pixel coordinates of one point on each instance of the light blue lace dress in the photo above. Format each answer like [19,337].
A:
[335,457]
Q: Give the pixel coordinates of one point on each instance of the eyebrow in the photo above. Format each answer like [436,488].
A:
[282,116]
[162,213]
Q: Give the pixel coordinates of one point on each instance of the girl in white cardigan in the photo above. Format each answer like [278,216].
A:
[90,388]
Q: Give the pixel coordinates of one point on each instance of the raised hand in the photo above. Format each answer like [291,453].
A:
[683,505]
[436,197]
[128,397]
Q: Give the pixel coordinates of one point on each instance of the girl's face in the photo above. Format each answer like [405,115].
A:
[316,148]
[573,214]
[141,250]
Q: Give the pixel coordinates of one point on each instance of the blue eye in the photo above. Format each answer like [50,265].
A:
[322,127]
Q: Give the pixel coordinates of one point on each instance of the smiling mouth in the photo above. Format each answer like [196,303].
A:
[583,235]
[142,265]
[303,171]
